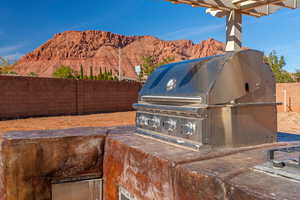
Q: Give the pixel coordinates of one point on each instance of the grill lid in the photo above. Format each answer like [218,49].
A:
[234,76]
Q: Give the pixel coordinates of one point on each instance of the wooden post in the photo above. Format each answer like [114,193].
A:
[233,31]
[284,101]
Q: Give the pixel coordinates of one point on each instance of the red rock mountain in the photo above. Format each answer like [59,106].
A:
[100,49]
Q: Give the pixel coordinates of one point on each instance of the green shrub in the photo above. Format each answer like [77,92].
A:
[68,72]
[64,72]
[150,63]
[33,74]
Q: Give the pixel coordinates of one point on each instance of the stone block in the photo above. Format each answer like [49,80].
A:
[140,165]
[150,169]
[31,160]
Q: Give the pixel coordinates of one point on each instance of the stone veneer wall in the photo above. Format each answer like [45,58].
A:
[31,160]
[29,96]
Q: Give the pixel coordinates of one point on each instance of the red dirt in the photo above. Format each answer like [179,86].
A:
[287,122]
[45,123]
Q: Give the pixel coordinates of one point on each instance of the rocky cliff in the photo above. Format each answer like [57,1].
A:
[100,49]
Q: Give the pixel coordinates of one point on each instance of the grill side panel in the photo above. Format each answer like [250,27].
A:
[235,126]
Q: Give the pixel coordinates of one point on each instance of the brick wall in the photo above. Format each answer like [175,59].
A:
[29,96]
[106,96]
[292,96]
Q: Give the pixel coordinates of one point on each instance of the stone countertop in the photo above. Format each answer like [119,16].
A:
[151,169]
[147,168]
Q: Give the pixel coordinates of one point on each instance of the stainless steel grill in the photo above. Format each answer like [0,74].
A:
[223,100]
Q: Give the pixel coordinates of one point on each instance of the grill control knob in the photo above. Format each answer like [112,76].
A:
[170,125]
[154,122]
[188,129]
[143,120]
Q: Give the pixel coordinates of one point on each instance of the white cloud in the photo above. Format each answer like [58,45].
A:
[192,31]
[12,52]
[10,49]
[13,57]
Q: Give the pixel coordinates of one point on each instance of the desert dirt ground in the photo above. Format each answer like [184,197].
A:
[62,122]
[287,122]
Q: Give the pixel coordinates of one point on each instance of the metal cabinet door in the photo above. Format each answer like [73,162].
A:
[78,190]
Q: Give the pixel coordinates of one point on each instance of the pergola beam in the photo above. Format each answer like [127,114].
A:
[257,4]
[234,9]
[282,4]
[200,3]
[247,7]
[237,2]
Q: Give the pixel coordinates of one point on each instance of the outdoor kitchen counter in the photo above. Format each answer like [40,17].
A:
[30,161]
[148,169]
[134,165]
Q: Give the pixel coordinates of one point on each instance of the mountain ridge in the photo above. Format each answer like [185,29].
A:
[100,49]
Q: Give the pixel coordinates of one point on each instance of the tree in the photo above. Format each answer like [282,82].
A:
[64,72]
[81,72]
[6,68]
[68,72]
[8,72]
[277,65]
[297,74]
[91,77]
[106,75]
[150,63]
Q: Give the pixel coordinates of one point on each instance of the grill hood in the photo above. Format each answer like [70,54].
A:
[239,77]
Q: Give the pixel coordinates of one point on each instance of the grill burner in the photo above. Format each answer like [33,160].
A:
[223,100]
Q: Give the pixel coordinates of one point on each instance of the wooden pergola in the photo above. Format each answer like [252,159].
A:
[233,11]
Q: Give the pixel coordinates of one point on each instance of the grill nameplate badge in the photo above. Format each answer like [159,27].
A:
[171,84]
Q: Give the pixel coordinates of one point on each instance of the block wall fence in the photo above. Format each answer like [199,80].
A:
[30,96]
[292,97]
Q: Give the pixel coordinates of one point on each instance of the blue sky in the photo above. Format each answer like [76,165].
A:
[25,25]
